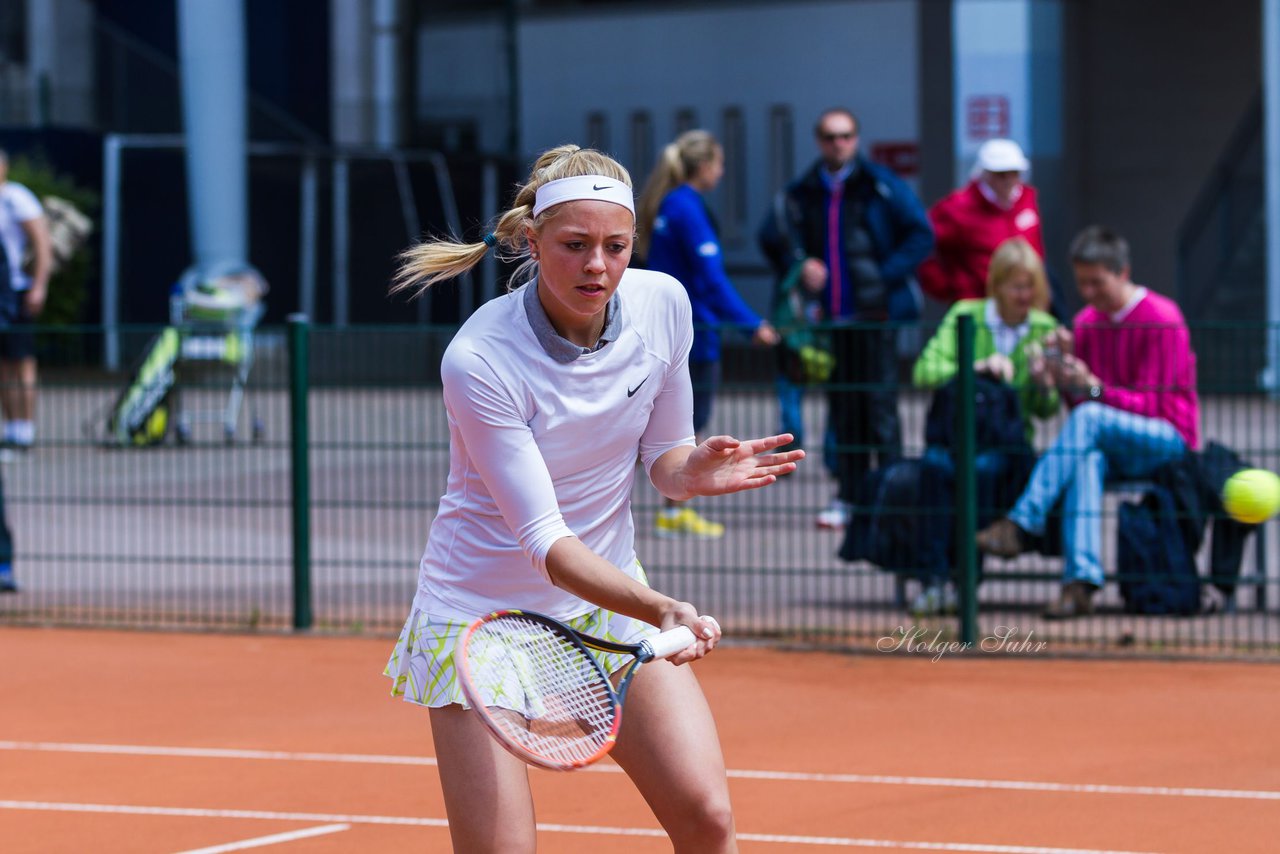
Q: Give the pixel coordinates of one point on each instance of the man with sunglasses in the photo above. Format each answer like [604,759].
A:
[859,232]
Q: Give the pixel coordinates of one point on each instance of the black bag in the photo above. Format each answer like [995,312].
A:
[998,426]
[997,416]
[1195,481]
[1158,573]
[894,520]
[1217,463]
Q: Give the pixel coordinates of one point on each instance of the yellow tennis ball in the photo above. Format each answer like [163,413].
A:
[1252,496]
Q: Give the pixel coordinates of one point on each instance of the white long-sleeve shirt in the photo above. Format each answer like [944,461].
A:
[544,447]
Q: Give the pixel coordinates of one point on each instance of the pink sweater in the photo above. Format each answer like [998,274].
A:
[1145,362]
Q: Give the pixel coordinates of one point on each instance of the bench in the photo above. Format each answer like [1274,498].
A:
[1257,578]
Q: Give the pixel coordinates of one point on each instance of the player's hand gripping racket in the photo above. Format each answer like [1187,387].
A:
[541,693]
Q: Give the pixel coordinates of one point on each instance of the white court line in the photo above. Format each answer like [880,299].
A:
[263,841]
[741,774]
[217,753]
[829,841]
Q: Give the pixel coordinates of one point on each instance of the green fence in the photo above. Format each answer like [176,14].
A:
[311,507]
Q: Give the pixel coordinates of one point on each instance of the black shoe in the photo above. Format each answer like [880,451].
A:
[1075,600]
[1002,538]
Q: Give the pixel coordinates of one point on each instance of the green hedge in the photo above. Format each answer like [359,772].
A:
[69,287]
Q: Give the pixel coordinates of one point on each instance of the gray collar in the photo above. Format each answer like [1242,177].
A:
[561,349]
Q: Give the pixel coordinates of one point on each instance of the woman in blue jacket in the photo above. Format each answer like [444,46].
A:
[677,236]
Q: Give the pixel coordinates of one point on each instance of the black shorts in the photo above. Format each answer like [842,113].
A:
[17,331]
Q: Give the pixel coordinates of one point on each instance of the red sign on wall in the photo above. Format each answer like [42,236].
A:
[902,157]
[986,116]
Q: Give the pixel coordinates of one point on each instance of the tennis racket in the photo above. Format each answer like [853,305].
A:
[541,693]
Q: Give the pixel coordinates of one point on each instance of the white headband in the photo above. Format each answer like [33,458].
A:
[590,187]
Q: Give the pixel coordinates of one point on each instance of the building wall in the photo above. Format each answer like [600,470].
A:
[807,56]
[461,78]
[751,59]
[1155,90]
[1151,92]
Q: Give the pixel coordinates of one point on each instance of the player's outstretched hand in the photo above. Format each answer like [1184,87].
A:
[723,464]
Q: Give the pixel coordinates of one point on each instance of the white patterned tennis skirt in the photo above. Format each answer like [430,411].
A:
[421,665]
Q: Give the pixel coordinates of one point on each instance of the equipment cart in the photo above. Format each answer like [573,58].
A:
[215,320]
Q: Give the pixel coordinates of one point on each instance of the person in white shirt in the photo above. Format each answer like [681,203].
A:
[22,298]
[552,392]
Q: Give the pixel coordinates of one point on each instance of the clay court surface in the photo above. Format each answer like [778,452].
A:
[152,742]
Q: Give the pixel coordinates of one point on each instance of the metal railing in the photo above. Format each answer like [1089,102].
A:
[346,244]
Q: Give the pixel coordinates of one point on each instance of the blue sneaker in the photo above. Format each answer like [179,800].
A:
[7,584]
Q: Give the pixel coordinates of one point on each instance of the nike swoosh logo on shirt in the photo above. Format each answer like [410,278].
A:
[631,391]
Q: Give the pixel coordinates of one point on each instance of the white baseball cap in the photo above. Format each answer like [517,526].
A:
[1001,155]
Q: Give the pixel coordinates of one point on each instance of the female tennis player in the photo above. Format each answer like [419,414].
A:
[553,390]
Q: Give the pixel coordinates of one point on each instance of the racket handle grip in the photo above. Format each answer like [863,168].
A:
[670,642]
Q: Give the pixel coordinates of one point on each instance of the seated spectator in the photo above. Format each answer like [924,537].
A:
[1008,325]
[1129,375]
[971,222]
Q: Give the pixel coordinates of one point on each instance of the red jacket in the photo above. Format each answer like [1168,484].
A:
[968,228]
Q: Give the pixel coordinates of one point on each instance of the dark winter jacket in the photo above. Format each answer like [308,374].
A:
[876,199]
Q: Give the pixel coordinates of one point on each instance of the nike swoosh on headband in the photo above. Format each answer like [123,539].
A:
[586,187]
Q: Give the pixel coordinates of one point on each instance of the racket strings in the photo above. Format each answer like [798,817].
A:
[542,691]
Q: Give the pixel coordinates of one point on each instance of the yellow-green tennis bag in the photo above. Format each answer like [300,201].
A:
[140,416]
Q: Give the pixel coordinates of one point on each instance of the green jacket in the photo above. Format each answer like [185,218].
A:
[937,363]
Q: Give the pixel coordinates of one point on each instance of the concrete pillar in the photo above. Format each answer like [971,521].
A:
[387,76]
[350,72]
[211,46]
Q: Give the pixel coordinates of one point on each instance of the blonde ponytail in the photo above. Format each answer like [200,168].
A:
[677,163]
[435,260]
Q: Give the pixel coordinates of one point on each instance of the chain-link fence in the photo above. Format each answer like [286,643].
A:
[205,533]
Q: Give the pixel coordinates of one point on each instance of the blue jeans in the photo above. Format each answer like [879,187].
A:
[1096,441]
[998,476]
[790,404]
[991,467]
[705,378]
